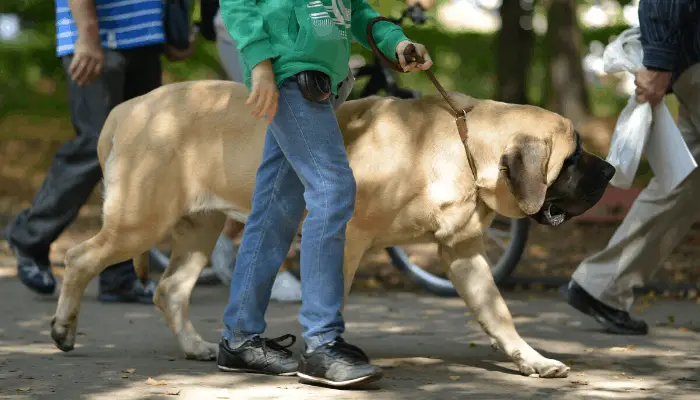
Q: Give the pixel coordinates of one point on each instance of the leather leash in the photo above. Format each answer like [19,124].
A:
[411,55]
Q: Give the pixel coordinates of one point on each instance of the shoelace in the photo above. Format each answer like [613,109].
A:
[275,344]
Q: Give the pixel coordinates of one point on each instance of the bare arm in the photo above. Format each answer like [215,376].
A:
[88,56]
[85,16]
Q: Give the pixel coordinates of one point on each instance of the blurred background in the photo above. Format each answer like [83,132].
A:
[541,52]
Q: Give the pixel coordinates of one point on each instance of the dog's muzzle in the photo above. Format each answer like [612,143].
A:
[550,214]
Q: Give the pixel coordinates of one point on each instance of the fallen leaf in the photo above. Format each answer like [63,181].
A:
[23,389]
[125,376]
[172,392]
[671,319]
[639,309]
[455,377]
[130,370]
[153,382]
[472,344]
[582,383]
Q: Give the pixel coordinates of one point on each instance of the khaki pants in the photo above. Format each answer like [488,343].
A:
[655,224]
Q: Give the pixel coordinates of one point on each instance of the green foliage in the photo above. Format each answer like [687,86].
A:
[32,79]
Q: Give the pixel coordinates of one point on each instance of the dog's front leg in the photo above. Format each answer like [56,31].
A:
[470,273]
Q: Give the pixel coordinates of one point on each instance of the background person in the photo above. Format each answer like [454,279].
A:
[109,57]
[603,284]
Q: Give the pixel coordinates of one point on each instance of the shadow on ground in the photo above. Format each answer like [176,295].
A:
[430,349]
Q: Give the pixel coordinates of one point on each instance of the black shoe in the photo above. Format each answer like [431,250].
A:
[615,321]
[136,293]
[259,356]
[338,364]
[34,272]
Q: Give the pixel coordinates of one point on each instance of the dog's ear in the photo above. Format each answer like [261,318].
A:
[524,164]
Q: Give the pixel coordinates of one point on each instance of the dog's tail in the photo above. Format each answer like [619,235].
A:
[105,147]
[106,141]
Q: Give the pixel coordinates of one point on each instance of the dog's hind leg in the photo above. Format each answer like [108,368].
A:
[470,273]
[194,238]
[83,263]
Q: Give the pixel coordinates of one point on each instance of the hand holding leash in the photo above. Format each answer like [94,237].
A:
[413,56]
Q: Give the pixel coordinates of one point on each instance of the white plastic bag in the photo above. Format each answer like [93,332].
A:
[628,141]
[639,126]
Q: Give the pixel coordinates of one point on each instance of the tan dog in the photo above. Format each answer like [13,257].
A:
[178,159]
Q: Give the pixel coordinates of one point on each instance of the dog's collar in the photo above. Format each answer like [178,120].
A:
[577,152]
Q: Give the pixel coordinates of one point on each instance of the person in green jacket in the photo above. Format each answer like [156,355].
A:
[294,54]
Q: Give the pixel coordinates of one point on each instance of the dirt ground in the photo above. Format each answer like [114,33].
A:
[430,349]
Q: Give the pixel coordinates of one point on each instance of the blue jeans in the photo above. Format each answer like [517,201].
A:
[304,165]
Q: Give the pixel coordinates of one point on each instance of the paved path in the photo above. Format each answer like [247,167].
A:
[428,346]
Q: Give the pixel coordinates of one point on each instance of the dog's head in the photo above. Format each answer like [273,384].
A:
[552,184]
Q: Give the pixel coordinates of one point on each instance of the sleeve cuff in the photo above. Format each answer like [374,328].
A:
[258,51]
[659,58]
[390,41]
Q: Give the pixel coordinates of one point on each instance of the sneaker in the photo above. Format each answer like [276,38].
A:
[34,272]
[614,321]
[337,364]
[259,356]
[137,293]
[286,289]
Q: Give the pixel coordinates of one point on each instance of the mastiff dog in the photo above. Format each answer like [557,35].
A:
[181,158]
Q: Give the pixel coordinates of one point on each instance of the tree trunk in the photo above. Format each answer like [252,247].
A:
[566,86]
[515,44]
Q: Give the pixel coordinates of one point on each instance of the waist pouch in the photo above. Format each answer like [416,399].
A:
[314,85]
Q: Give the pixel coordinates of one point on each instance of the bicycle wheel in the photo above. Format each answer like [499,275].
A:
[508,235]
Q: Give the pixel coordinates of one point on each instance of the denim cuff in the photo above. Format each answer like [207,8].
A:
[319,340]
[236,337]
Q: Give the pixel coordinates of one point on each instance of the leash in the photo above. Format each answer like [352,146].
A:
[411,55]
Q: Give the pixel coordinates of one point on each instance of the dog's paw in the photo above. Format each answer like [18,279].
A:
[538,366]
[63,334]
[203,351]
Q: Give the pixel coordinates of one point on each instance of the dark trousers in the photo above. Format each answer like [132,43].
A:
[76,170]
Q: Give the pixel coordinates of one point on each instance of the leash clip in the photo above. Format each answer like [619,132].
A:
[463,116]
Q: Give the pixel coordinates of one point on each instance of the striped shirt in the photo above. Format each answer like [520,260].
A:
[123,24]
[670,34]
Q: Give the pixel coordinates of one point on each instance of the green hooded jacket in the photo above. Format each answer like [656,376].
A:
[301,35]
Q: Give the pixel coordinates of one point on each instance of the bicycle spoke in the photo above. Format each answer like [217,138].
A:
[503,245]
[497,232]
